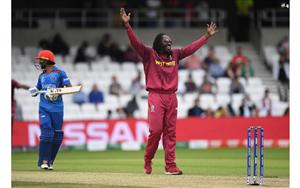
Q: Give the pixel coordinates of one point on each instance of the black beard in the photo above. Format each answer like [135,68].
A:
[167,52]
[164,51]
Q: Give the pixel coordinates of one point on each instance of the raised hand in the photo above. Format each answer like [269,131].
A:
[125,17]
[211,29]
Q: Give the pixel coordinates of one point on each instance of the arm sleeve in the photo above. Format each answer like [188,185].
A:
[39,84]
[191,48]
[65,79]
[15,84]
[136,43]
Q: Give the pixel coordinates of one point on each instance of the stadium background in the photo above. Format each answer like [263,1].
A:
[91,45]
[261,32]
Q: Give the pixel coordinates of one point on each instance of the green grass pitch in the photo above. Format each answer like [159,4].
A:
[220,163]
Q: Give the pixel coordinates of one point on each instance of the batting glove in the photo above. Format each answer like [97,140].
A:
[33,91]
[51,97]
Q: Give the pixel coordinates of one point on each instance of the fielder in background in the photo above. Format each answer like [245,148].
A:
[161,72]
[50,107]
[15,85]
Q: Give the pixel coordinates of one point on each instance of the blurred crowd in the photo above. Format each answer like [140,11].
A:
[96,96]
[240,66]
[246,109]
[149,11]
[106,46]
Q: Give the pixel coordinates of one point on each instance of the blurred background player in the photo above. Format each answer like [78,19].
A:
[15,85]
[50,108]
[161,71]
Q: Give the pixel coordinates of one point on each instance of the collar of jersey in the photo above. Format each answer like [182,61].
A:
[54,69]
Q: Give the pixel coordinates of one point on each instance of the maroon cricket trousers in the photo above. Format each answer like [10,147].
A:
[162,115]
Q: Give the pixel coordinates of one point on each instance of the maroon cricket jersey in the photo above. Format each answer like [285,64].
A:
[162,72]
[14,84]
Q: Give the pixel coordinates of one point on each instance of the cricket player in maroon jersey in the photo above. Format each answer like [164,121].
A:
[15,85]
[161,72]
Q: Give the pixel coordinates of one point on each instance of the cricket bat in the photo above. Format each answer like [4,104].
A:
[62,91]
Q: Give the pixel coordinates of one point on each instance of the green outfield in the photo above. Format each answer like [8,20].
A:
[115,168]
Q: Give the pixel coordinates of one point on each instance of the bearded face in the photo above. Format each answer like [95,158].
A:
[166,44]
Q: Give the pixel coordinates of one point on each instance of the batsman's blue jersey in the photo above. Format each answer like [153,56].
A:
[55,79]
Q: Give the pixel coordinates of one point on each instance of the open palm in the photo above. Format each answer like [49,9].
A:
[124,16]
[211,29]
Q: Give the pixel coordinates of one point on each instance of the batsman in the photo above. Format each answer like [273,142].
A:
[161,72]
[50,107]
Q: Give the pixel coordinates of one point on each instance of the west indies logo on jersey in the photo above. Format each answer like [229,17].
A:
[165,63]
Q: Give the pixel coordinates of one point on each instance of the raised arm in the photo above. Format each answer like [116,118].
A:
[194,46]
[135,42]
